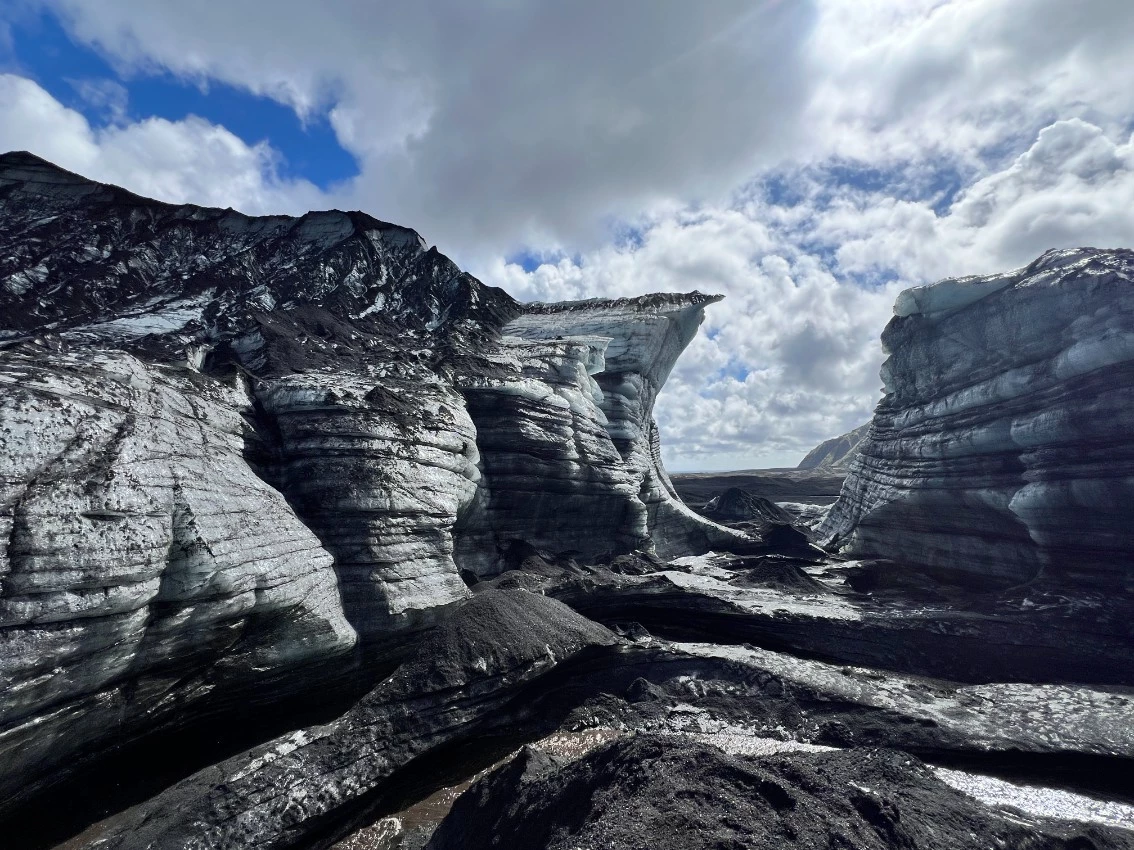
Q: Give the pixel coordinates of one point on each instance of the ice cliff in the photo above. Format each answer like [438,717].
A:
[240,450]
[1003,445]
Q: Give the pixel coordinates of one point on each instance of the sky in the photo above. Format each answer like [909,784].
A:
[808,159]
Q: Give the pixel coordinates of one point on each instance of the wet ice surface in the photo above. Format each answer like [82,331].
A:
[1030,799]
[716,574]
[399,831]
[1039,801]
[995,717]
[730,737]
[710,574]
[708,565]
[1050,718]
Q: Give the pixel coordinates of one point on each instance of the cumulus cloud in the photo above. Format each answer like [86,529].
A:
[503,120]
[789,358]
[1074,186]
[107,97]
[965,78]
[178,161]
[540,121]
[808,159]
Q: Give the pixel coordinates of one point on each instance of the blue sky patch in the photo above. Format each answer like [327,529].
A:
[78,77]
[876,277]
[530,259]
[627,237]
[934,182]
[733,369]
[779,189]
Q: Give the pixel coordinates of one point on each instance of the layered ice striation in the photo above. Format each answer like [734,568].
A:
[145,569]
[235,449]
[643,338]
[1002,447]
[379,468]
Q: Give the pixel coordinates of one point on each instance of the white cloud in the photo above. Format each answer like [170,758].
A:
[906,79]
[191,160]
[1074,186]
[537,123]
[108,97]
[789,358]
[35,121]
[547,126]
[483,124]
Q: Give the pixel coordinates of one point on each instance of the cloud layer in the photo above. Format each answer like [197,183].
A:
[808,158]
[192,160]
[791,356]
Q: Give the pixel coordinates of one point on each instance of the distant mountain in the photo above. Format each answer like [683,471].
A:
[836,454]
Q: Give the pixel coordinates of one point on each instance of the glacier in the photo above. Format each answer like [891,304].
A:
[1002,448]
